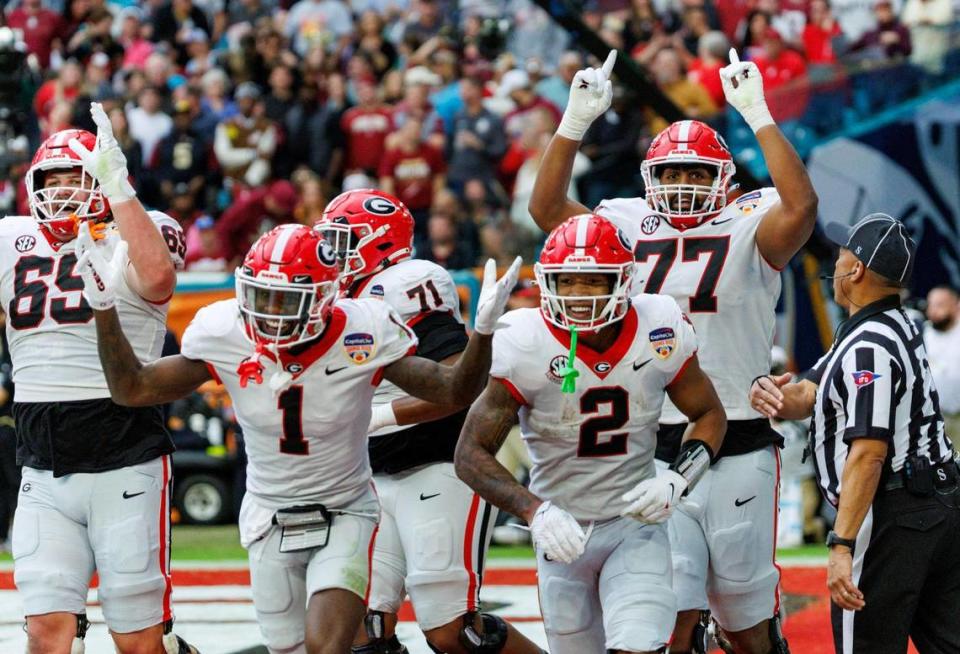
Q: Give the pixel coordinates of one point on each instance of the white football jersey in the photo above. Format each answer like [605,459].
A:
[308,443]
[413,288]
[591,446]
[717,275]
[50,328]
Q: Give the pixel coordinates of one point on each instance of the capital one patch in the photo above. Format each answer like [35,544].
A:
[663,341]
[863,378]
[359,346]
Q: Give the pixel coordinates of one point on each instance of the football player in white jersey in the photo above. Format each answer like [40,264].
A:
[588,372]
[720,260]
[96,476]
[434,530]
[303,398]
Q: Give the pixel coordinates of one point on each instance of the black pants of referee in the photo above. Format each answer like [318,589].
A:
[910,578]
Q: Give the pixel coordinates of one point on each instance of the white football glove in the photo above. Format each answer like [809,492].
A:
[494,294]
[653,500]
[590,95]
[557,533]
[107,162]
[743,88]
[101,276]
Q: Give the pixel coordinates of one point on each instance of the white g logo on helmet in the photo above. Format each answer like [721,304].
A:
[325,253]
[379,206]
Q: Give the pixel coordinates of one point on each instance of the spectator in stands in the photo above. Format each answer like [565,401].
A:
[136,46]
[282,95]
[784,73]
[516,85]
[319,23]
[889,41]
[828,84]
[644,23]
[253,213]
[205,251]
[369,40]
[413,170]
[365,128]
[712,55]
[148,123]
[881,54]
[941,338]
[788,17]
[199,57]
[692,98]
[312,199]
[613,144]
[556,88]
[819,34]
[929,22]
[128,145]
[313,137]
[417,83]
[181,155]
[477,141]
[183,205]
[245,143]
[446,100]
[751,33]
[94,35]
[444,247]
[175,20]
[696,23]
[215,105]
[63,88]
[424,23]
[42,29]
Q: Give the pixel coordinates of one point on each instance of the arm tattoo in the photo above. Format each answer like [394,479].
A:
[455,385]
[487,426]
[133,384]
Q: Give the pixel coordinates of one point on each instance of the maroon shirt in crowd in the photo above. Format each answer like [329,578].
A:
[365,131]
[413,174]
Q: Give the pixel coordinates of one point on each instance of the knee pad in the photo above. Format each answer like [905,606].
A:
[77,646]
[777,641]
[491,641]
[378,644]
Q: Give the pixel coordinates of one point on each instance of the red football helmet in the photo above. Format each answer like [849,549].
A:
[585,244]
[687,143]
[59,208]
[369,230]
[286,286]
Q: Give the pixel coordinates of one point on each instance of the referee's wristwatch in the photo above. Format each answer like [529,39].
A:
[834,539]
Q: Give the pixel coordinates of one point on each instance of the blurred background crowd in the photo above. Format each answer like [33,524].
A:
[236,115]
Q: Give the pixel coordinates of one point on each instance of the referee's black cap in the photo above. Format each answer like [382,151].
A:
[879,241]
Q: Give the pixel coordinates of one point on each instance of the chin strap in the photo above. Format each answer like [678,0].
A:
[569,373]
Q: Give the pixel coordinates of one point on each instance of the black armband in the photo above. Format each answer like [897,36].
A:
[693,461]
[440,335]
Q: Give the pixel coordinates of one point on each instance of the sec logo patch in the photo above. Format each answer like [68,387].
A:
[25,243]
[650,224]
[557,366]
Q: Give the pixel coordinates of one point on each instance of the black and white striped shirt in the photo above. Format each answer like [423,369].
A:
[875,382]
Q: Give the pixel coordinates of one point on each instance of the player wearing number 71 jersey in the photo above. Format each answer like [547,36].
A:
[301,368]
[588,372]
[720,260]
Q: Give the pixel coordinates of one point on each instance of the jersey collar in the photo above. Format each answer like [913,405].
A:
[612,355]
[879,306]
[301,359]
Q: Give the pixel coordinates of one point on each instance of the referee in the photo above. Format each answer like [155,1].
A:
[881,456]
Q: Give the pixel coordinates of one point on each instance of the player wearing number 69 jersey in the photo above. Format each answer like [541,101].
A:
[588,373]
[96,475]
[301,368]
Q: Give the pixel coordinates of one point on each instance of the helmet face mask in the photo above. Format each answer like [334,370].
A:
[687,145]
[61,191]
[286,287]
[584,254]
[369,230]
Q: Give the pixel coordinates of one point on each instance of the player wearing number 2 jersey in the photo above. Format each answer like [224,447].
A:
[434,530]
[588,372]
[720,260]
[96,475]
[301,368]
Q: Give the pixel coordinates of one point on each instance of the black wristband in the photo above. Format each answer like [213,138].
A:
[833,539]
[757,378]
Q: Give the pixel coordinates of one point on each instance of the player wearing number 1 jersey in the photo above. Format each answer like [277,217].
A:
[434,530]
[96,475]
[720,259]
[588,372]
[301,368]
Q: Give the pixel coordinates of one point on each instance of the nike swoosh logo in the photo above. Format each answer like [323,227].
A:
[331,371]
[127,495]
[427,497]
[742,502]
[637,366]
[720,222]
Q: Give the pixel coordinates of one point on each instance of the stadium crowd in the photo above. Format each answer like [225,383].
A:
[236,115]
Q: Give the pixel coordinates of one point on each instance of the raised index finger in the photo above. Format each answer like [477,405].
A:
[607,67]
[734,57]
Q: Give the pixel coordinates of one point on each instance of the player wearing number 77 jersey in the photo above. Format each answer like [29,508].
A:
[720,260]
[301,368]
[588,372]
[96,476]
